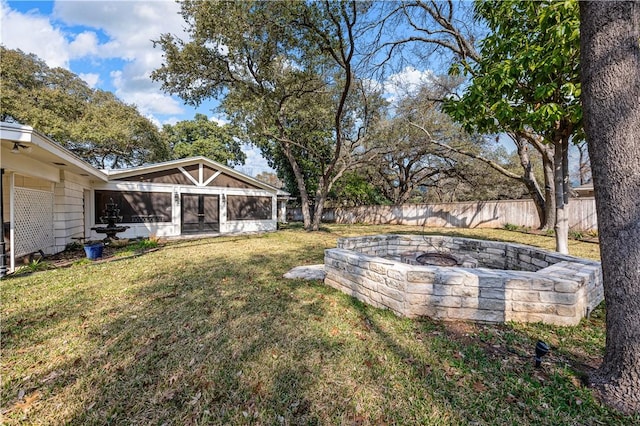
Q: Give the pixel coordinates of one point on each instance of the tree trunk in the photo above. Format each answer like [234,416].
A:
[317,214]
[530,181]
[609,44]
[561,186]
[549,187]
[302,187]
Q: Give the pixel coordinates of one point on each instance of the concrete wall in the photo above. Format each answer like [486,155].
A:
[552,288]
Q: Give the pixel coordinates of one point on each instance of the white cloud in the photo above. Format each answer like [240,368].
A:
[137,89]
[110,30]
[84,44]
[219,121]
[405,83]
[131,26]
[34,33]
[255,162]
[91,79]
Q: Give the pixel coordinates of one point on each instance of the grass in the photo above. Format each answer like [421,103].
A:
[208,332]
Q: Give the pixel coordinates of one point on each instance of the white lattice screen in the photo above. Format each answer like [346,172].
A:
[33,216]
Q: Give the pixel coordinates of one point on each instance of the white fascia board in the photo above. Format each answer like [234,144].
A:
[26,134]
[124,173]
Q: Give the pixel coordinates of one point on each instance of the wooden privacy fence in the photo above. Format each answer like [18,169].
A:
[474,214]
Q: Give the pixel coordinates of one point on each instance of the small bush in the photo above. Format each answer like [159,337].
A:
[74,246]
[33,266]
[576,235]
[137,246]
[511,227]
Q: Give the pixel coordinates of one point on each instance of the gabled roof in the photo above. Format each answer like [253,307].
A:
[185,162]
[45,150]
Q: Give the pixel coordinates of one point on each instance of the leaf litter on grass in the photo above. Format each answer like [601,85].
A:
[207,331]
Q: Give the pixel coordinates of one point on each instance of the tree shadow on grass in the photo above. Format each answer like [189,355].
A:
[191,340]
[221,338]
[498,379]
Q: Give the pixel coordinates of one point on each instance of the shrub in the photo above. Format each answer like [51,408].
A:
[511,227]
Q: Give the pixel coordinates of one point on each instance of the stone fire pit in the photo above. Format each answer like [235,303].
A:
[490,282]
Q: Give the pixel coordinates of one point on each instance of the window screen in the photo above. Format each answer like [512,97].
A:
[240,207]
[135,207]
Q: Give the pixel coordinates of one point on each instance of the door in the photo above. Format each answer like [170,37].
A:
[200,213]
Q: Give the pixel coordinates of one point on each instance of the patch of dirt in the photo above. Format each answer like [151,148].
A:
[69,257]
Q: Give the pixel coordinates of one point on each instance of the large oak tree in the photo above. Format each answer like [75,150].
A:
[285,74]
[610,55]
[94,124]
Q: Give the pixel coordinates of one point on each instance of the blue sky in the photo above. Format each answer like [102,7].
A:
[109,45]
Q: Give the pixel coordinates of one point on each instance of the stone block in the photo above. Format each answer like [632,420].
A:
[535,308]
[399,285]
[517,284]
[522,316]
[559,298]
[391,293]
[491,293]
[421,276]
[566,286]
[418,299]
[421,310]
[396,275]
[543,284]
[540,263]
[450,278]
[447,301]
[442,289]
[419,288]
[374,276]
[495,281]
[566,311]
[499,252]
[395,305]
[524,258]
[465,291]
[475,315]
[483,303]
[525,296]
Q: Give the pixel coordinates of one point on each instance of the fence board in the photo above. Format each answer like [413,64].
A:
[474,214]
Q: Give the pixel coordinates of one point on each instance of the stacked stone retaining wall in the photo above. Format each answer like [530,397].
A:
[513,283]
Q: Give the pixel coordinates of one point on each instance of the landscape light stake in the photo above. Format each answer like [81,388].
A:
[541,350]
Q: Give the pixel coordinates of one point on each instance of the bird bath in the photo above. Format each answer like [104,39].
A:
[111,216]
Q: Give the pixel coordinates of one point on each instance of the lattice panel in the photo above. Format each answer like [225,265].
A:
[33,215]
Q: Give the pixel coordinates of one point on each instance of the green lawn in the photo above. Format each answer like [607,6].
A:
[208,332]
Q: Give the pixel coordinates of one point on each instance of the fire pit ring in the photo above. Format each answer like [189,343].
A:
[490,281]
[437,259]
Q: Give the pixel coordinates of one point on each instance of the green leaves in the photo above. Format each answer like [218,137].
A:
[94,124]
[528,75]
[203,137]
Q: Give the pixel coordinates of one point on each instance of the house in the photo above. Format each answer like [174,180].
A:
[51,197]
[585,190]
